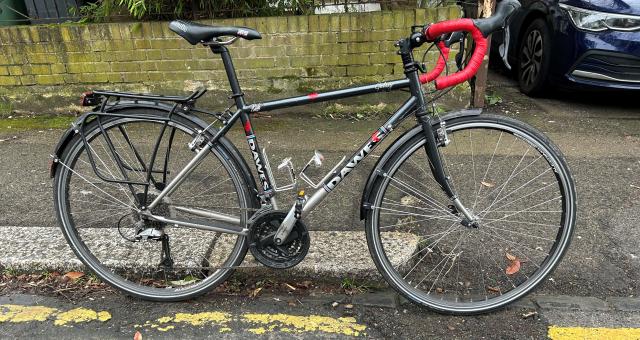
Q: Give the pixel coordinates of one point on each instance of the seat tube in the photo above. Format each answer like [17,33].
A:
[268,191]
[237,94]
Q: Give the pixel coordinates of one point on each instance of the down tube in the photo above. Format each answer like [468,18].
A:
[378,136]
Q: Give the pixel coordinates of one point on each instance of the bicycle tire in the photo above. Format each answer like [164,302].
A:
[87,246]
[442,292]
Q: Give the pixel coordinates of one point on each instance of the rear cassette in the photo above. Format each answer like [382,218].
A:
[290,253]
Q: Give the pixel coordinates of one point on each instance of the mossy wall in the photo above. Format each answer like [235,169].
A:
[296,53]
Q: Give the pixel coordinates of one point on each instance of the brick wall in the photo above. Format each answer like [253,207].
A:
[297,50]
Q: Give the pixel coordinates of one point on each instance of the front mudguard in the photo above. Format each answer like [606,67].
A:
[391,151]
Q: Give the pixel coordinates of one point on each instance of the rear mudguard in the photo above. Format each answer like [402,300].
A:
[365,203]
[230,149]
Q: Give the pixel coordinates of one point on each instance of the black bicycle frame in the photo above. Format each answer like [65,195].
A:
[415,104]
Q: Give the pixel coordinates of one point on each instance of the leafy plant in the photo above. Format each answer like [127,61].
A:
[104,10]
[351,286]
[493,99]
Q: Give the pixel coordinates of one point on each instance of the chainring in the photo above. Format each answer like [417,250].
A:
[263,228]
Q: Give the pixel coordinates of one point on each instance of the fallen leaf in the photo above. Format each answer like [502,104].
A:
[493,289]
[74,275]
[513,267]
[183,282]
[137,336]
[255,292]
[487,184]
[510,257]
[408,200]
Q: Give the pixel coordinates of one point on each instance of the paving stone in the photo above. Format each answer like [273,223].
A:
[386,299]
[524,303]
[44,248]
[625,304]
[564,302]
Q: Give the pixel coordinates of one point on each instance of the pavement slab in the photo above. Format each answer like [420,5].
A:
[45,248]
[571,302]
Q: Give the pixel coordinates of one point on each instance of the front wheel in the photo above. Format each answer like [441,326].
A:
[511,178]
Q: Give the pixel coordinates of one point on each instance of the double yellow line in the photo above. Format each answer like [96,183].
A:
[257,323]
[586,333]
[18,314]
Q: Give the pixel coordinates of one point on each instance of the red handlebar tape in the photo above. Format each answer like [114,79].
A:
[435,30]
[442,60]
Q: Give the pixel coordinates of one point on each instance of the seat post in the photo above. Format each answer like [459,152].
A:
[237,94]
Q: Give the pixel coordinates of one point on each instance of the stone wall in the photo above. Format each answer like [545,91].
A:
[347,47]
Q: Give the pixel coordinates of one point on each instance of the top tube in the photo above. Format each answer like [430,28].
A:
[315,97]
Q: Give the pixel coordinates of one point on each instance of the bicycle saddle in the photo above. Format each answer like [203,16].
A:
[195,33]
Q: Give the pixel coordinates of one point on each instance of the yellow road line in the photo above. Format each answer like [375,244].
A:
[298,324]
[586,333]
[259,323]
[18,314]
[256,323]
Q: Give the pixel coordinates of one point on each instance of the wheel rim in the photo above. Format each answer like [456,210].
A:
[88,239]
[447,296]
[531,57]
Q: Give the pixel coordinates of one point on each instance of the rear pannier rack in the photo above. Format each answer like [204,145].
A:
[105,102]
[94,98]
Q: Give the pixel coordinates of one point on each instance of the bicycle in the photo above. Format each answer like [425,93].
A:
[486,204]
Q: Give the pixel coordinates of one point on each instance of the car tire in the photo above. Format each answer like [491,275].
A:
[534,58]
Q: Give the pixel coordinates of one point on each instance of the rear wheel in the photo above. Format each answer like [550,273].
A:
[100,221]
[516,183]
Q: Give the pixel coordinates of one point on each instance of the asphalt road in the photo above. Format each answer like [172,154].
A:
[286,316]
[598,133]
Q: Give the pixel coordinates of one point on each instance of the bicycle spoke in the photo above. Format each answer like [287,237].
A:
[105,225]
[516,198]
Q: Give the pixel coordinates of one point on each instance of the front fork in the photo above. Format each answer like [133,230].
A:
[431,145]
[437,169]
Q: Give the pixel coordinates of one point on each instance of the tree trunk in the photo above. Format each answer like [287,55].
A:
[479,82]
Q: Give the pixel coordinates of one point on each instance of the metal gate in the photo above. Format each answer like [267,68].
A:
[51,11]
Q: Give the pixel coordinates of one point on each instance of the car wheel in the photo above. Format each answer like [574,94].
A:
[534,57]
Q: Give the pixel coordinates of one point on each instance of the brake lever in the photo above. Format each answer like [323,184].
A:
[460,55]
[453,38]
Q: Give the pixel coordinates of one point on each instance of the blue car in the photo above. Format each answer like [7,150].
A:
[593,43]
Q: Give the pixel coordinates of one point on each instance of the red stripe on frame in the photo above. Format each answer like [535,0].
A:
[376,136]
[247,127]
[313,95]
